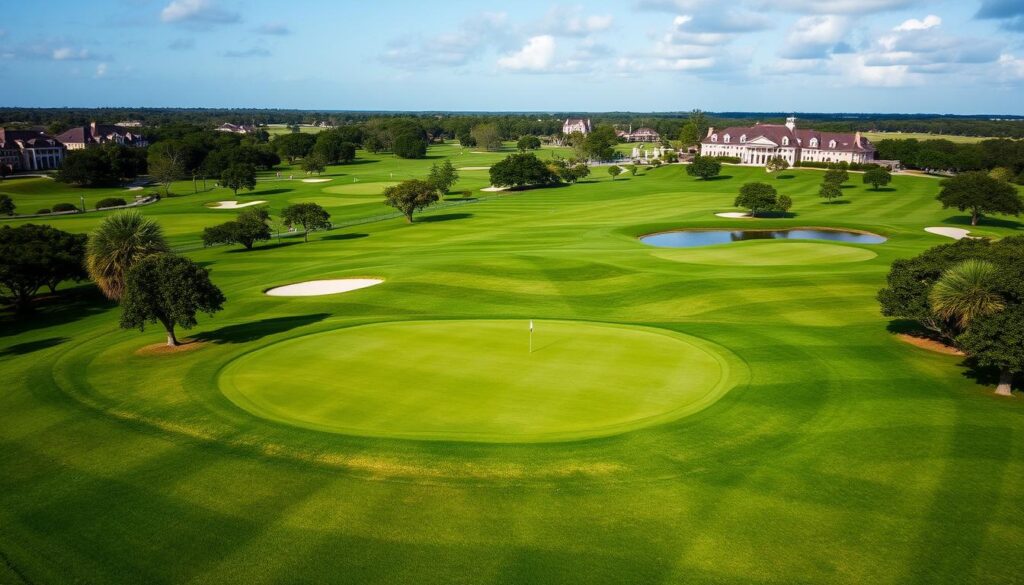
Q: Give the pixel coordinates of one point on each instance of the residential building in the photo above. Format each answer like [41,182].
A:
[29,150]
[642,135]
[95,134]
[576,125]
[757,144]
[237,129]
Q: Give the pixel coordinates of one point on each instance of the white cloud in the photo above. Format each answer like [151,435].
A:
[914,24]
[537,54]
[571,22]
[455,48]
[835,6]
[101,70]
[812,37]
[70,54]
[274,28]
[197,11]
[1012,67]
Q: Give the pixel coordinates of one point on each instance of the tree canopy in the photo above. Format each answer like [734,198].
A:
[704,167]
[7,206]
[758,198]
[979,194]
[521,170]
[118,243]
[310,216]
[443,176]
[877,177]
[33,256]
[776,164]
[830,191]
[239,176]
[293,146]
[528,142]
[411,196]
[105,165]
[168,289]
[486,136]
[248,228]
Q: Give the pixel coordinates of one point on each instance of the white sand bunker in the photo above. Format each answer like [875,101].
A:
[474,168]
[314,288]
[234,204]
[315,180]
[734,215]
[493,189]
[949,232]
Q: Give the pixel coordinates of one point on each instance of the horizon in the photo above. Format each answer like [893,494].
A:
[900,56]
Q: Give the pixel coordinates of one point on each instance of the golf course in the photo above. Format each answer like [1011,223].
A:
[515,388]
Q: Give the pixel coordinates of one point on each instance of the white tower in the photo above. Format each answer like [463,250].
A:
[791,123]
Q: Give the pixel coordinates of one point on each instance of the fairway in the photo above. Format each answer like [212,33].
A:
[478,380]
[731,413]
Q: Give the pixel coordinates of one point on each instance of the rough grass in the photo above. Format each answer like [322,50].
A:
[847,455]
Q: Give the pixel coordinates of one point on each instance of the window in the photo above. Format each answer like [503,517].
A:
[831,143]
[785,141]
[726,138]
[743,138]
[714,138]
[814,143]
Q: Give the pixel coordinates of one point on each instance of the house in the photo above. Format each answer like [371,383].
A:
[236,129]
[95,134]
[29,150]
[576,125]
[642,135]
[757,144]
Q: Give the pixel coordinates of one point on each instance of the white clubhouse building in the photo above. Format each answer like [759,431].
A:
[757,144]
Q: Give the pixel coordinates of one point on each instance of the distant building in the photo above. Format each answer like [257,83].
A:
[237,129]
[95,134]
[642,135]
[29,150]
[757,144]
[576,125]
[130,124]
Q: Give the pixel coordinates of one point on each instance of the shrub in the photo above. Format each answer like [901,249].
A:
[734,160]
[110,202]
[43,211]
[63,207]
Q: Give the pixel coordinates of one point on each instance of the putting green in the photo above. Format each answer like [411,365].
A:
[367,188]
[768,253]
[474,380]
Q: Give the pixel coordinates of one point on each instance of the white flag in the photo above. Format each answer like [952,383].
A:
[531,324]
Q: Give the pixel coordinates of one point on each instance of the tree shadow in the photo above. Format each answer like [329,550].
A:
[32,346]
[718,178]
[984,375]
[847,186]
[263,247]
[965,220]
[785,177]
[459,198]
[68,305]
[443,217]
[268,192]
[337,237]
[837,202]
[909,327]
[882,190]
[246,332]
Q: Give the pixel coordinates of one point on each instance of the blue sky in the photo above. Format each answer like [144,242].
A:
[962,56]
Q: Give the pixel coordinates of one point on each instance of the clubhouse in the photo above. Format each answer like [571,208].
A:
[95,134]
[29,150]
[757,144]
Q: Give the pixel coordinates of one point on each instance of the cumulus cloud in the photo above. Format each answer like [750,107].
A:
[458,47]
[197,11]
[101,70]
[572,22]
[1011,67]
[914,24]
[536,55]
[70,54]
[813,37]
[835,6]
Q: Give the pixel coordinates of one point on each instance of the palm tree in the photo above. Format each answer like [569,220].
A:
[964,292]
[118,243]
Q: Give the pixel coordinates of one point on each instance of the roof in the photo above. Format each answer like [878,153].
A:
[96,134]
[30,138]
[845,142]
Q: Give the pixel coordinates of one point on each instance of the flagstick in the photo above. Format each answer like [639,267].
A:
[531,335]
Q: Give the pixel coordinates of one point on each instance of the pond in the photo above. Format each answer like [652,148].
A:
[698,237]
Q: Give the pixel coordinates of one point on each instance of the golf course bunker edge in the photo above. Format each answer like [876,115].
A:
[479,380]
[315,288]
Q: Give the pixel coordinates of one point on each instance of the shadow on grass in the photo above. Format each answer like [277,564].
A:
[718,178]
[985,375]
[339,237]
[32,346]
[785,177]
[837,202]
[246,332]
[268,192]
[443,217]
[881,190]
[258,247]
[965,220]
[66,306]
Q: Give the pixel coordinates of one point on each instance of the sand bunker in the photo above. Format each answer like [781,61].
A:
[493,189]
[474,168]
[315,180]
[734,215]
[234,204]
[313,288]
[949,232]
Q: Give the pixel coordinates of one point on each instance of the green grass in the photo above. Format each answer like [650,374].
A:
[839,454]
[876,136]
[580,380]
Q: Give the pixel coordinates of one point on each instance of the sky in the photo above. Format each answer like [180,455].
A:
[892,56]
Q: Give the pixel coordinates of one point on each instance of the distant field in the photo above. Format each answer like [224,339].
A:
[275,129]
[876,136]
